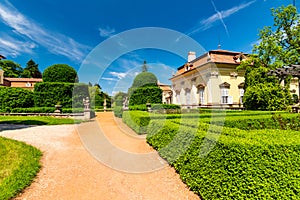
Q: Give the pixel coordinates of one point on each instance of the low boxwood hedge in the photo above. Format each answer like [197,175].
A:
[118,111]
[237,164]
[137,120]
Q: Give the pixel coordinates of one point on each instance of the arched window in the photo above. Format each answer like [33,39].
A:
[201,88]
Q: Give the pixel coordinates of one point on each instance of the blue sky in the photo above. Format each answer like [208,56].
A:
[65,31]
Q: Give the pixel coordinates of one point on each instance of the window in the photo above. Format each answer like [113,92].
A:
[241,95]
[201,95]
[224,95]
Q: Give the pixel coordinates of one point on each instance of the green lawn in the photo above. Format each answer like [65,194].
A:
[19,163]
[36,120]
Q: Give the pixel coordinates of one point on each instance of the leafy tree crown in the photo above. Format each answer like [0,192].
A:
[60,73]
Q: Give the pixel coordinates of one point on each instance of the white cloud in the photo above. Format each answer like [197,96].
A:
[14,47]
[106,32]
[33,33]
[119,75]
[219,15]
[109,79]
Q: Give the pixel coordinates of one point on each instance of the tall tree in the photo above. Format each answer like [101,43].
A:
[278,46]
[11,69]
[31,70]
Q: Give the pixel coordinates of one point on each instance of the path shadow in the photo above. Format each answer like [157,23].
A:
[19,124]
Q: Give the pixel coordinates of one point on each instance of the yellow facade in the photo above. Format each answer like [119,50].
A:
[210,80]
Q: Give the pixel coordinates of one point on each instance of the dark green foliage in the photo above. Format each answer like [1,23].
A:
[137,120]
[60,73]
[48,94]
[143,95]
[295,98]
[15,98]
[11,69]
[31,70]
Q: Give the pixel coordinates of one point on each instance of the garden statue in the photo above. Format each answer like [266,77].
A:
[86,103]
[125,103]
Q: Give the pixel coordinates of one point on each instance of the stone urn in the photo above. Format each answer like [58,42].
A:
[58,108]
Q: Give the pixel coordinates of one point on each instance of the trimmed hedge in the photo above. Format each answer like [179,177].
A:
[142,107]
[147,94]
[137,120]
[118,111]
[48,94]
[34,110]
[238,164]
[284,121]
[15,97]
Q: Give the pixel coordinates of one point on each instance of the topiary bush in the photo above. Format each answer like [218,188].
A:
[15,98]
[144,79]
[60,73]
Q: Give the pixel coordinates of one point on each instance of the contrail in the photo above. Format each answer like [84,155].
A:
[220,17]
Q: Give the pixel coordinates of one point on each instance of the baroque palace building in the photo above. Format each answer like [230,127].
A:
[210,80]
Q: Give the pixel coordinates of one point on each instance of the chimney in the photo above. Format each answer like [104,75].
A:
[191,56]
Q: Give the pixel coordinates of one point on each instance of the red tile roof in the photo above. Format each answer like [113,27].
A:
[24,79]
[216,56]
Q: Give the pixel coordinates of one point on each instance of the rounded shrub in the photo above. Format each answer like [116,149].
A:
[60,73]
[144,79]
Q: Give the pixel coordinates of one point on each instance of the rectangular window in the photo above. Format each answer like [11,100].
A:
[224,95]
[201,96]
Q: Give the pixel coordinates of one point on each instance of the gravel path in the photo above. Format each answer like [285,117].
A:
[70,171]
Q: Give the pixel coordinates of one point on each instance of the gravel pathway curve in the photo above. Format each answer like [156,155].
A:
[69,171]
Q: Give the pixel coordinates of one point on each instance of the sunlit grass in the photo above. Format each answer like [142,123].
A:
[37,120]
[19,164]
